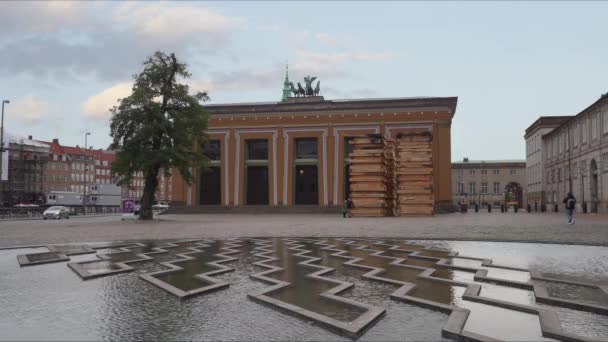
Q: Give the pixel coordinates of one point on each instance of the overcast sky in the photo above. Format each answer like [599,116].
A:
[63,64]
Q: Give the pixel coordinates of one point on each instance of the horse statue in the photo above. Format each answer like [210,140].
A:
[293,89]
[308,80]
[301,91]
[317,89]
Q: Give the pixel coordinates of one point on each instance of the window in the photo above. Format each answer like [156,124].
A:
[575,135]
[97,162]
[575,170]
[512,172]
[496,187]
[605,116]
[484,188]
[471,172]
[257,149]
[306,148]
[348,148]
[460,173]
[460,188]
[212,149]
[605,161]
[105,163]
[583,167]
[484,172]
[472,188]
[594,127]
[52,197]
[496,172]
[559,174]
[585,130]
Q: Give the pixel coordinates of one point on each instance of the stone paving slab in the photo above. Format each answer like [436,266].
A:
[517,227]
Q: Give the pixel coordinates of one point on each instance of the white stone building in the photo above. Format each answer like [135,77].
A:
[535,151]
[576,159]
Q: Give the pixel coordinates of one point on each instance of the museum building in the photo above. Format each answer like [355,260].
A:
[295,151]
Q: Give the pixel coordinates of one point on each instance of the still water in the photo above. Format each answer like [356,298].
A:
[51,302]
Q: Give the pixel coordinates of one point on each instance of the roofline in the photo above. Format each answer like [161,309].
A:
[538,122]
[603,98]
[449,103]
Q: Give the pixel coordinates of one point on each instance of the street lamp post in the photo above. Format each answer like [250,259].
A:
[2,150]
[86,166]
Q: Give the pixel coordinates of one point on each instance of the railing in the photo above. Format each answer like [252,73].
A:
[11,213]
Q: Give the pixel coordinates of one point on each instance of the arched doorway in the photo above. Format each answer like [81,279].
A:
[593,175]
[514,193]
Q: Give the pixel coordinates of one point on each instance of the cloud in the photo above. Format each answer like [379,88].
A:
[97,107]
[336,58]
[40,17]
[325,38]
[31,111]
[176,22]
[350,94]
[105,41]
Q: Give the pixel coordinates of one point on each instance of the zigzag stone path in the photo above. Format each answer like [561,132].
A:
[310,278]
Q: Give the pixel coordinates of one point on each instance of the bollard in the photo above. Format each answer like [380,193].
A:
[536,206]
[529,208]
[476,207]
[502,208]
[543,208]
[516,208]
[489,208]
[555,208]
[584,208]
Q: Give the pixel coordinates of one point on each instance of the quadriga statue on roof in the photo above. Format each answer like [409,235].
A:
[307,90]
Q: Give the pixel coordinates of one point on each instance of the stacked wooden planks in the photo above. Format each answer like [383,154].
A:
[391,177]
[415,173]
[368,169]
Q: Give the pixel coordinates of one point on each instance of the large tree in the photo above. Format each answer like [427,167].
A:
[158,127]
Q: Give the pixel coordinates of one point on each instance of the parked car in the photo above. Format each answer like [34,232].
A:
[161,209]
[56,212]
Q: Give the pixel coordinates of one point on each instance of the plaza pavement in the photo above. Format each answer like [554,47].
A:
[526,227]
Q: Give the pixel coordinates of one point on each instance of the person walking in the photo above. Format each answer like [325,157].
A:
[570,203]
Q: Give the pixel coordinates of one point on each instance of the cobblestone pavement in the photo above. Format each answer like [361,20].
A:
[533,227]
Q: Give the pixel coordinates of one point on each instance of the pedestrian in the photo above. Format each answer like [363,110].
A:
[345,208]
[349,206]
[570,203]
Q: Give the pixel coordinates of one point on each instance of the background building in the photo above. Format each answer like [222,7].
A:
[493,182]
[576,158]
[27,164]
[535,153]
[294,152]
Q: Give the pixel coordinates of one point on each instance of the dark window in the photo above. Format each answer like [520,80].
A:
[257,149]
[212,150]
[306,148]
[348,148]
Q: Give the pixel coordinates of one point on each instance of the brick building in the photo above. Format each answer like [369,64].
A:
[291,152]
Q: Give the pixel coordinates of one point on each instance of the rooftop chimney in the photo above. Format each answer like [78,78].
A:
[55,141]
[29,137]
[465,159]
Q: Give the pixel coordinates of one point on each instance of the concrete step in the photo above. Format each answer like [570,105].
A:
[255,209]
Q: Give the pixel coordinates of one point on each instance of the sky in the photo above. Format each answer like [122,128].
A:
[64,64]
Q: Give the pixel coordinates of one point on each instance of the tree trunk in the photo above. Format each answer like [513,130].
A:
[147,200]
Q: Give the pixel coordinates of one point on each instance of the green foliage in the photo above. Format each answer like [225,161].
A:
[160,125]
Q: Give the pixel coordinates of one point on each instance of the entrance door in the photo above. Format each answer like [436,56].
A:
[211,193]
[257,185]
[307,189]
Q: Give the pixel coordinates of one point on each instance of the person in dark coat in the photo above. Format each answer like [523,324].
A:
[570,203]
